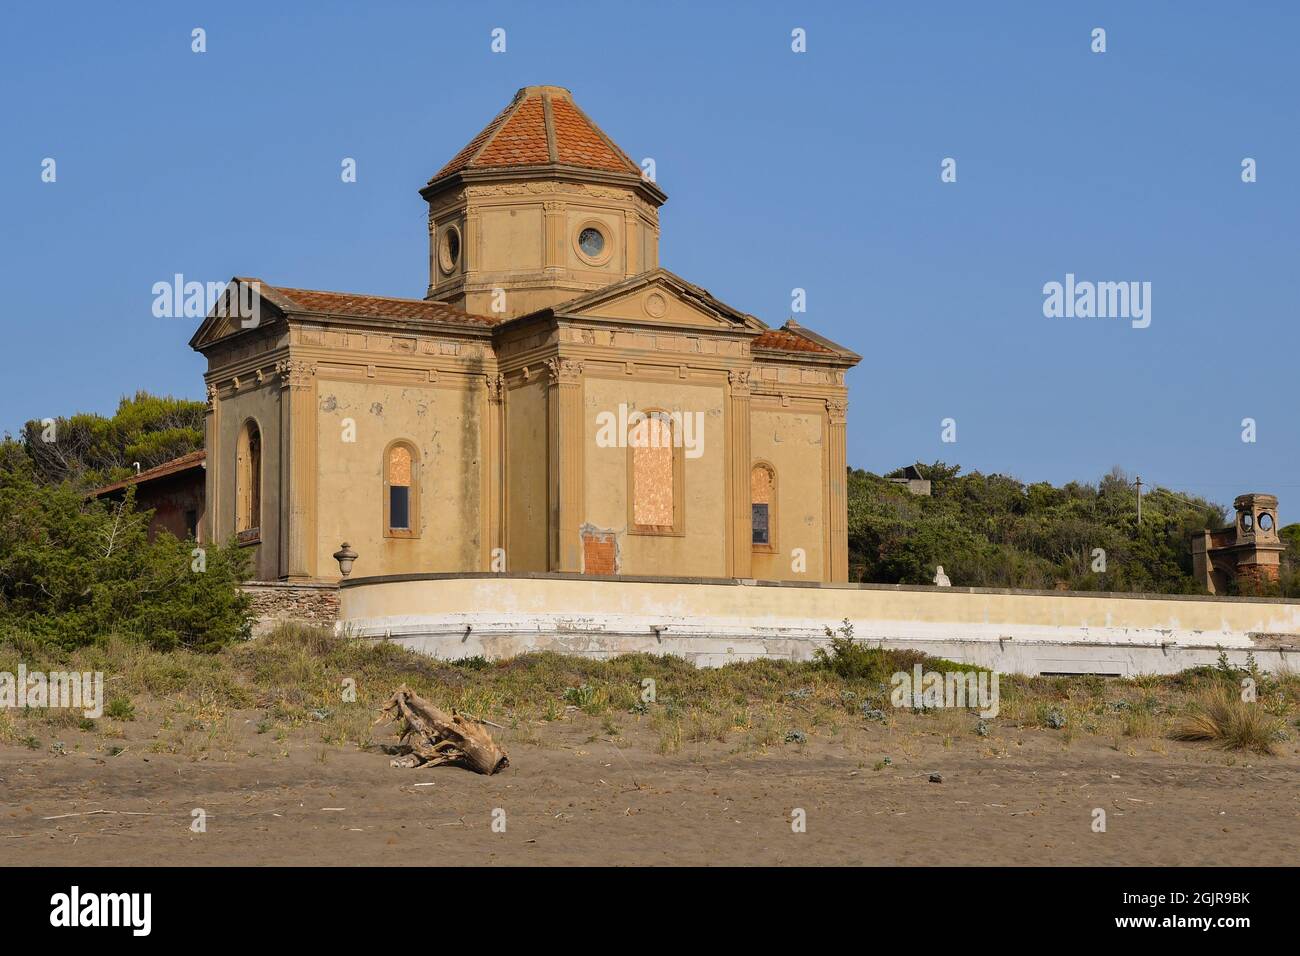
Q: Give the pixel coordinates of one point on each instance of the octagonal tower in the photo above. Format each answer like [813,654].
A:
[538,208]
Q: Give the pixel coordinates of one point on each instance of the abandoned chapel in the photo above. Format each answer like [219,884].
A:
[557,401]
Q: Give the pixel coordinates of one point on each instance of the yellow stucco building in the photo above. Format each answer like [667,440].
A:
[556,402]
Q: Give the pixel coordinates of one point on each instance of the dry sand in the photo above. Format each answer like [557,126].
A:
[1021,796]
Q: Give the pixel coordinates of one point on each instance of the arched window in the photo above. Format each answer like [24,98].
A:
[248,483]
[401,491]
[762,494]
[656,473]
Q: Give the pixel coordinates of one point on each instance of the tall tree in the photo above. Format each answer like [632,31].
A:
[88,449]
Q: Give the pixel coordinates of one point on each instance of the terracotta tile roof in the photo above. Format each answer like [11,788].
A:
[579,142]
[376,306]
[520,140]
[194,459]
[459,161]
[541,126]
[789,339]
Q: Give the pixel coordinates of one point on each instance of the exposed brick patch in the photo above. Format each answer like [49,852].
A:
[275,602]
[599,551]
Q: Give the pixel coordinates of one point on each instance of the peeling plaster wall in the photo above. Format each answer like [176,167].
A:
[443,422]
[261,403]
[793,441]
[713,622]
[527,494]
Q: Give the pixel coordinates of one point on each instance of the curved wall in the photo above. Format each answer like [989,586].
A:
[714,621]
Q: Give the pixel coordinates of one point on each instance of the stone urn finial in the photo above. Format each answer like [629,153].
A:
[345,556]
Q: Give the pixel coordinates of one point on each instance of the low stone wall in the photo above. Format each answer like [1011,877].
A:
[277,601]
[716,621]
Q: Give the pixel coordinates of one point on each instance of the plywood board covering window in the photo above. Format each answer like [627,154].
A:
[656,472]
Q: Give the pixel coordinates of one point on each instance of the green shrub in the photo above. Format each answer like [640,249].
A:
[75,570]
[853,660]
[120,708]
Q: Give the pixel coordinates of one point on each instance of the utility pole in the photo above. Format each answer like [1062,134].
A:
[1139,487]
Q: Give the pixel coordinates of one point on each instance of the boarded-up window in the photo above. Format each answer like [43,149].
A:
[400,487]
[762,490]
[653,491]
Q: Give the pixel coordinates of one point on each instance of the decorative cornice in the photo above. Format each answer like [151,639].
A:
[547,187]
[552,177]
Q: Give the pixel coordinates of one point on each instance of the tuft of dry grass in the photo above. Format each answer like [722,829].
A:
[1220,716]
[1142,724]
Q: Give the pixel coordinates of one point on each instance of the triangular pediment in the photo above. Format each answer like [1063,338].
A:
[245,305]
[660,297]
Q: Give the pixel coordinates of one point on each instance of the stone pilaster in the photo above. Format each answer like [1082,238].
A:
[632,242]
[553,253]
[564,418]
[837,481]
[211,488]
[495,466]
[740,461]
[297,470]
[471,253]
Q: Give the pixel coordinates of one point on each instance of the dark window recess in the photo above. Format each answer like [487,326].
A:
[192,523]
[399,507]
[760,524]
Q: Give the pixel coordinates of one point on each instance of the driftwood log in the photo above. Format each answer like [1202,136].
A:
[430,737]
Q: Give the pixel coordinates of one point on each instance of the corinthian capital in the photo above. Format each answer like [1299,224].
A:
[294,374]
[564,371]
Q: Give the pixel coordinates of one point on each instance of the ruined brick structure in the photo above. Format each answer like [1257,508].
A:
[173,491]
[1248,550]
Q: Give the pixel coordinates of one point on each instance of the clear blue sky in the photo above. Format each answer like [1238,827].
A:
[818,170]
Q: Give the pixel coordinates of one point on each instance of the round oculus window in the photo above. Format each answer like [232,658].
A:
[1247,522]
[592,242]
[1265,521]
[449,249]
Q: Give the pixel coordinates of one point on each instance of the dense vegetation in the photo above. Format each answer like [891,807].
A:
[74,570]
[995,531]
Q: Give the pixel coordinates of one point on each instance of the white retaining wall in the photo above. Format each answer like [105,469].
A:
[716,621]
